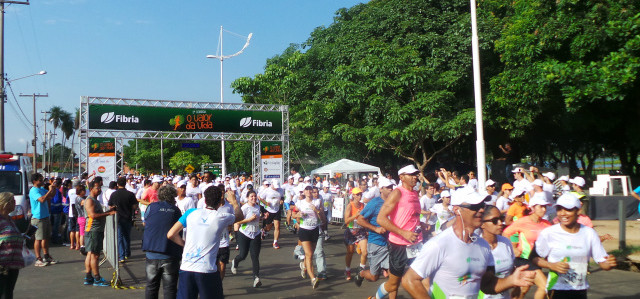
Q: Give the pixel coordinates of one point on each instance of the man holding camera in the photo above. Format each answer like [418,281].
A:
[38,197]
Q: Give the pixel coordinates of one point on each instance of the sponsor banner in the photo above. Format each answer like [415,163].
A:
[337,211]
[102,158]
[140,118]
[271,160]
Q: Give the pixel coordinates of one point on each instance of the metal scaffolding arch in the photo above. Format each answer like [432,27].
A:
[120,135]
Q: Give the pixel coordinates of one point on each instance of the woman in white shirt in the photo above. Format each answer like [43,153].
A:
[565,249]
[310,217]
[248,239]
[501,248]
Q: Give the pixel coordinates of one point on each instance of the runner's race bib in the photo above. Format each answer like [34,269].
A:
[576,277]
[413,250]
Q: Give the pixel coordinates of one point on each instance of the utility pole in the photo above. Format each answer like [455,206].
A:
[35,136]
[2,76]
[44,141]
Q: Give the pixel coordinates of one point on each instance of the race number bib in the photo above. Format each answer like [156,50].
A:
[576,277]
[413,250]
[249,228]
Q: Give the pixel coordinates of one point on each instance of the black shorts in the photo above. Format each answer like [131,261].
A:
[309,235]
[398,259]
[521,262]
[93,241]
[223,255]
[567,294]
[272,216]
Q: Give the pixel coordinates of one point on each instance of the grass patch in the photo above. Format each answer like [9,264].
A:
[627,251]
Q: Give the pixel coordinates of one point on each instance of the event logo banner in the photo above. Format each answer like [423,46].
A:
[271,164]
[139,118]
[102,158]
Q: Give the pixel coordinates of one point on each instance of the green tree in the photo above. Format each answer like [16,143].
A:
[386,76]
[180,160]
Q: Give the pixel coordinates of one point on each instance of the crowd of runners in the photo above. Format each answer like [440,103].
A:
[436,234]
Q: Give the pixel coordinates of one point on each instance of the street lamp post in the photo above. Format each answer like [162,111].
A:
[34,112]
[480,150]
[222,58]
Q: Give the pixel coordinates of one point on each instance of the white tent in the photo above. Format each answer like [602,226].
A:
[345,166]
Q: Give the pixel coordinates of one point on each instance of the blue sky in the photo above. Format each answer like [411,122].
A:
[142,49]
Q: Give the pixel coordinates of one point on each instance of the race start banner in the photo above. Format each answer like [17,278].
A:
[271,160]
[167,119]
[102,158]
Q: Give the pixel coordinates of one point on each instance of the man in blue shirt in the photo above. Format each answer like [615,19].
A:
[38,197]
[377,240]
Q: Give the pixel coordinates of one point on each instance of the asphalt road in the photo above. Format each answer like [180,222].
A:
[280,275]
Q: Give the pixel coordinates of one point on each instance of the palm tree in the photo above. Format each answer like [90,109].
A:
[67,131]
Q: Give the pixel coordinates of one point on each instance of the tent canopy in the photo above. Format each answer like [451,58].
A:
[345,166]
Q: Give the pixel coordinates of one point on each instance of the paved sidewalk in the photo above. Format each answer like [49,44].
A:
[280,275]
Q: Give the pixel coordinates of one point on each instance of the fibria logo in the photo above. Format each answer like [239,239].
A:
[109,117]
[247,122]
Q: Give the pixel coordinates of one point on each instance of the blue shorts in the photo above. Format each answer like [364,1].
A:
[72,224]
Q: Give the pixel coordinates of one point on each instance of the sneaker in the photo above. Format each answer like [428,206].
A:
[237,247]
[314,283]
[234,270]
[40,263]
[121,261]
[101,283]
[275,245]
[326,236]
[359,279]
[347,274]
[322,276]
[88,281]
[49,260]
[257,283]
[303,270]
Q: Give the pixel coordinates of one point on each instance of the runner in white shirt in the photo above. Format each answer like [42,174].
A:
[501,248]
[565,249]
[184,202]
[204,227]
[192,187]
[310,218]
[270,199]
[503,201]
[457,262]
[327,202]
[249,237]
[427,201]
[490,189]
[442,211]
[207,181]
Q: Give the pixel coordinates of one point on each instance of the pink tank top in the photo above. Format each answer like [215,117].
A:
[406,216]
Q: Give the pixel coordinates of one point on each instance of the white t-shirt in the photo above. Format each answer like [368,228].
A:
[186,204]
[426,203]
[455,268]
[371,193]
[524,184]
[193,191]
[555,244]
[226,208]
[442,215]
[327,199]
[494,197]
[503,259]
[502,203]
[272,197]
[473,183]
[203,186]
[309,220]
[72,200]
[139,193]
[204,227]
[251,229]
[551,188]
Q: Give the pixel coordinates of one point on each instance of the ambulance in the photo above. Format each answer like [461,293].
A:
[15,177]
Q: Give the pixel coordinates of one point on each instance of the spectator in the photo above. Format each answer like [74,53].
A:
[94,235]
[38,197]
[124,202]
[11,260]
[163,256]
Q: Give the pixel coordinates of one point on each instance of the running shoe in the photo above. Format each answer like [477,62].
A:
[322,276]
[347,274]
[49,260]
[101,283]
[314,283]
[359,278]
[275,245]
[326,236]
[303,270]
[83,250]
[88,281]
[40,263]
[257,283]
[237,247]
[234,270]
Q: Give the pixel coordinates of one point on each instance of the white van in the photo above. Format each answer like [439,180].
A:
[15,177]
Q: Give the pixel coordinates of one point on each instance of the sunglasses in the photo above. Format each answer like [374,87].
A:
[474,207]
[495,220]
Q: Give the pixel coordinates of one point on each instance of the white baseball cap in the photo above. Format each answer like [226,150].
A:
[539,200]
[518,170]
[467,195]
[517,192]
[445,193]
[578,181]
[538,182]
[182,183]
[307,178]
[157,179]
[489,182]
[549,175]
[384,182]
[266,182]
[409,169]
[564,178]
[568,201]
